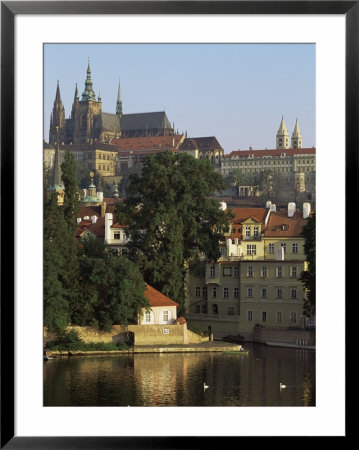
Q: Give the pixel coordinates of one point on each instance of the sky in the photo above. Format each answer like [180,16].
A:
[235,92]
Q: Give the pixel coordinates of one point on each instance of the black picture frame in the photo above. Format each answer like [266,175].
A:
[9,9]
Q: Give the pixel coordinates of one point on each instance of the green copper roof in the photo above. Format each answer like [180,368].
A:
[88,94]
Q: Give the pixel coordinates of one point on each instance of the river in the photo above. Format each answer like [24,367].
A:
[177,379]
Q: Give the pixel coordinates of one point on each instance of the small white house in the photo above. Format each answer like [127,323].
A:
[163,310]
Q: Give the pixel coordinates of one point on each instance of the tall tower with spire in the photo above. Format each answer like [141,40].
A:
[282,138]
[57,119]
[85,111]
[119,101]
[297,139]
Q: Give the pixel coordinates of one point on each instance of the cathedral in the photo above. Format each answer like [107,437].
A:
[89,124]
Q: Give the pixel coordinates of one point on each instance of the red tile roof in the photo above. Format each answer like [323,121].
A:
[280,225]
[274,152]
[149,142]
[242,214]
[156,298]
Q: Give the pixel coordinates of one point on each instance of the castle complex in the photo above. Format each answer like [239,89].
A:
[89,124]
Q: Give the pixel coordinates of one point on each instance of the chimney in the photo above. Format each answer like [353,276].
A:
[93,219]
[291,209]
[268,203]
[87,218]
[108,224]
[272,208]
[79,220]
[306,210]
[223,205]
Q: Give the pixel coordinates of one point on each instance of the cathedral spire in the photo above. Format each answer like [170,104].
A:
[57,117]
[88,94]
[119,101]
[58,96]
[76,96]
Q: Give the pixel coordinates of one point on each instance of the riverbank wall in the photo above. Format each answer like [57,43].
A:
[287,337]
[92,335]
[134,334]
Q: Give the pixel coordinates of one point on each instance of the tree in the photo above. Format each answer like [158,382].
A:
[112,288]
[172,219]
[236,178]
[56,306]
[308,277]
[68,242]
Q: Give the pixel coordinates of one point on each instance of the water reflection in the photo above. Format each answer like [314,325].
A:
[176,379]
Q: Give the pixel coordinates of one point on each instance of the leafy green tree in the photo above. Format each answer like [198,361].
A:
[172,219]
[56,306]
[236,178]
[69,243]
[112,288]
[308,277]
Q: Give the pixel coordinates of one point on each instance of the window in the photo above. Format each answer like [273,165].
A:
[264,271]
[250,271]
[117,236]
[212,272]
[279,316]
[247,231]
[236,272]
[294,293]
[225,292]
[230,311]
[279,271]
[264,316]
[198,291]
[204,292]
[165,316]
[204,309]
[250,292]
[264,292]
[197,309]
[214,292]
[148,316]
[256,231]
[295,248]
[271,248]
[235,292]
[249,316]
[223,251]
[227,271]
[284,246]
[251,249]
[279,293]
[294,271]
[293,317]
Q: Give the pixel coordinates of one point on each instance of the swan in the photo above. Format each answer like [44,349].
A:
[282,386]
[205,386]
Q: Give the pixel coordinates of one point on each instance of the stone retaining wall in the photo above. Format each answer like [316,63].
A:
[297,337]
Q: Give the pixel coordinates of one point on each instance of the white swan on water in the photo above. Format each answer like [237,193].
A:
[282,386]
[205,386]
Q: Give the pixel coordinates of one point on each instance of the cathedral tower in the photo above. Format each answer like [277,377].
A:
[282,138]
[297,139]
[85,111]
[57,120]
